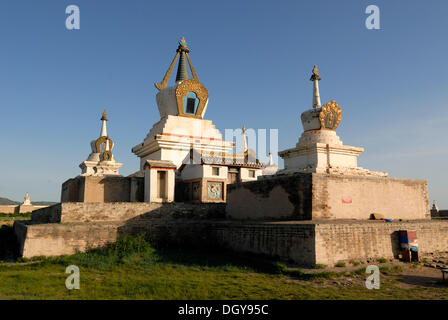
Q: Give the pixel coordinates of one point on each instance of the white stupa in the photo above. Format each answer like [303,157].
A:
[27,201]
[319,149]
[101,161]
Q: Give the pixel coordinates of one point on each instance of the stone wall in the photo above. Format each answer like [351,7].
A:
[69,227]
[103,189]
[9,209]
[362,241]
[305,196]
[356,197]
[306,243]
[71,212]
[19,209]
[282,197]
[292,242]
[58,239]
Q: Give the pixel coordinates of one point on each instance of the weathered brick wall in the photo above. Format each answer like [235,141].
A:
[103,189]
[9,209]
[283,197]
[327,196]
[70,191]
[19,209]
[292,242]
[372,240]
[356,197]
[121,211]
[107,189]
[57,239]
[90,225]
[307,242]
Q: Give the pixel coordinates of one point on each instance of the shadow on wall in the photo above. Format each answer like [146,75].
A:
[395,243]
[9,247]
[177,224]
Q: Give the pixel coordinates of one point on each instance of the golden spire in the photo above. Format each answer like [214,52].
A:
[182,71]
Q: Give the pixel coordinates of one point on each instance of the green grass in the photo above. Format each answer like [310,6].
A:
[382,260]
[132,269]
[340,264]
[15,215]
[355,263]
[319,266]
[6,218]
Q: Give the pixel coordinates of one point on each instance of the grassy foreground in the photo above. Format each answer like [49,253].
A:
[132,269]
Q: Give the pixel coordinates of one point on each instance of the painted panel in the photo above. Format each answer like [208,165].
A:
[215,190]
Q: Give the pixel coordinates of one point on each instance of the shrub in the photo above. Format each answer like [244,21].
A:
[340,264]
[126,250]
[355,263]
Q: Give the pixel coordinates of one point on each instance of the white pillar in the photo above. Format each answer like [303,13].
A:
[103,129]
[271,161]
[316,95]
[244,140]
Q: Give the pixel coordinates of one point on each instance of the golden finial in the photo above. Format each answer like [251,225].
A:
[315,75]
[244,129]
[104,117]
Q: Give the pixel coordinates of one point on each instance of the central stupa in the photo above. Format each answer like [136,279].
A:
[182,126]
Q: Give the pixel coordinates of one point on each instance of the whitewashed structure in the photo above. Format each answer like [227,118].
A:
[101,161]
[319,149]
[182,139]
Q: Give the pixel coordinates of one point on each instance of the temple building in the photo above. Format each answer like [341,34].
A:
[182,158]
[184,151]
[316,210]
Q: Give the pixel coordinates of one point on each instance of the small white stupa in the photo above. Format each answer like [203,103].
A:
[27,201]
[271,168]
[101,161]
[319,149]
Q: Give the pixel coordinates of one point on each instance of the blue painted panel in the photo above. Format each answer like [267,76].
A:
[191,95]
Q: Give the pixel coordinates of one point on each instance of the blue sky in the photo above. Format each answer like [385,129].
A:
[254,57]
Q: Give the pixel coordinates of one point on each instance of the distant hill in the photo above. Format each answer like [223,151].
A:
[8,202]
[43,203]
